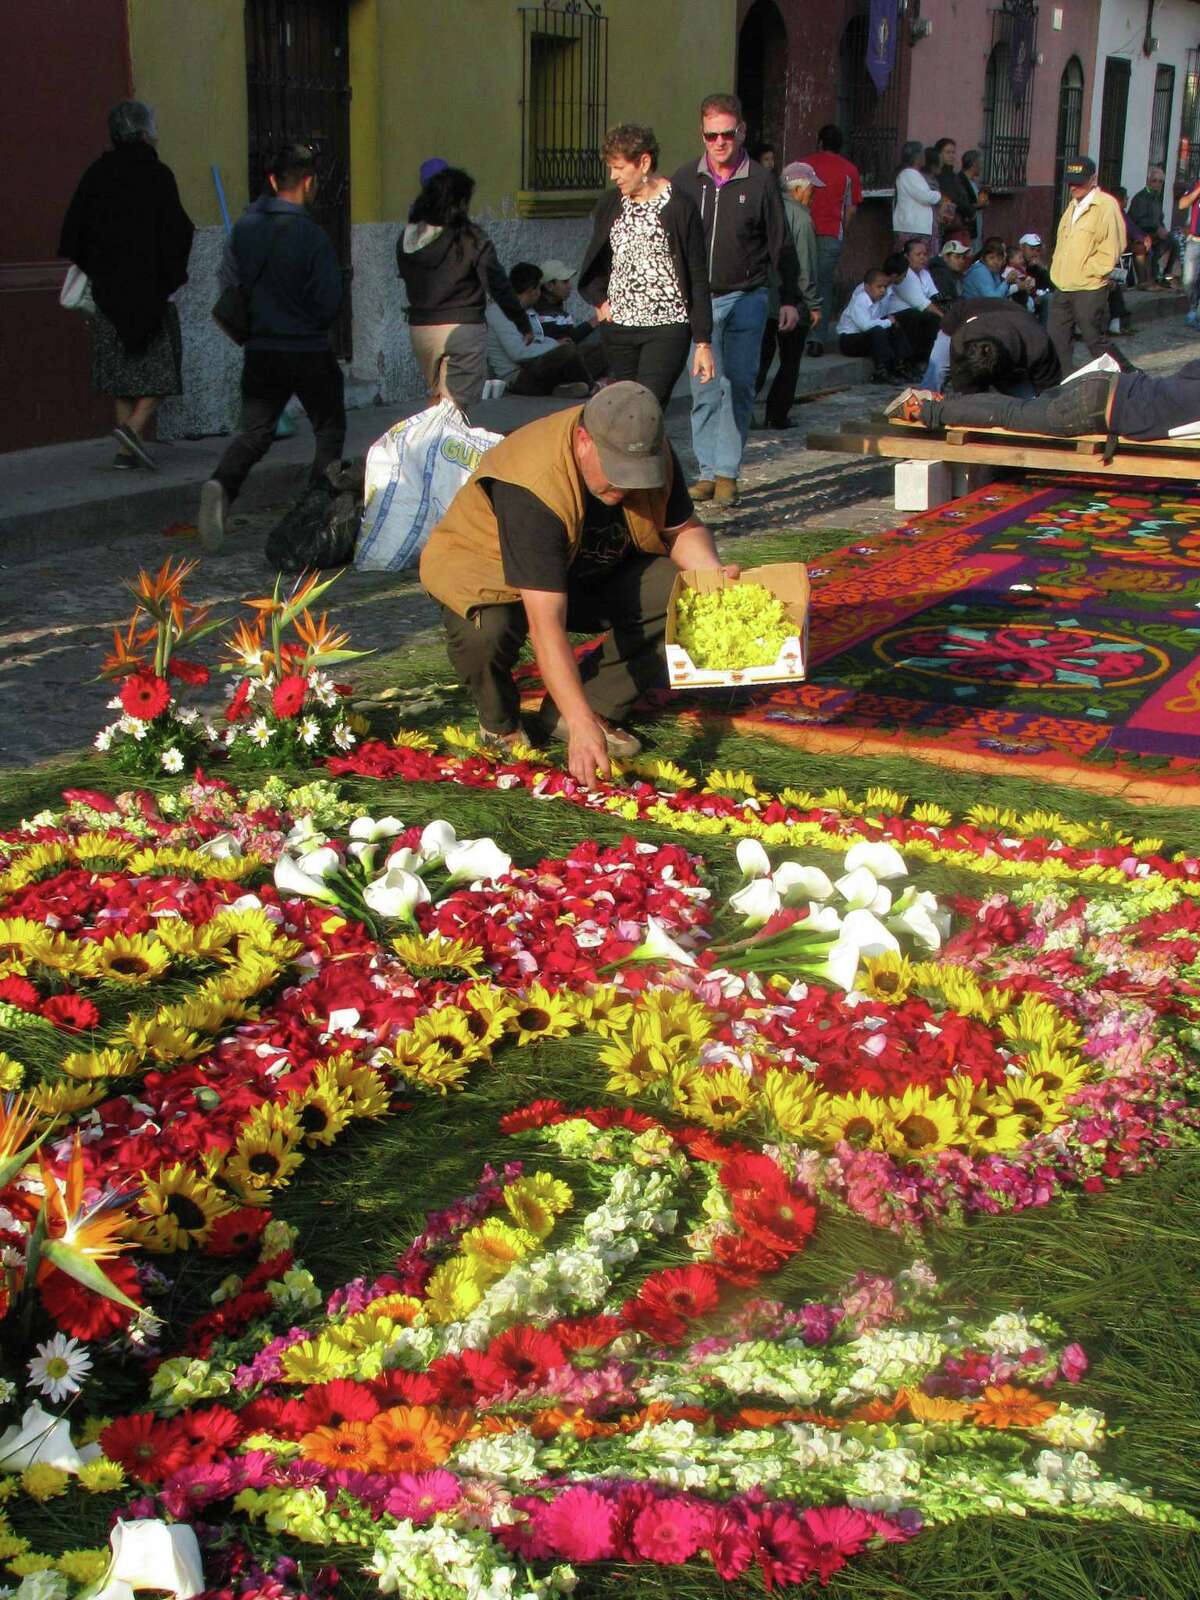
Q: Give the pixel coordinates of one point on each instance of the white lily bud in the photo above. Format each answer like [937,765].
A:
[758,901]
[753,859]
[880,858]
[396,894]
[290,878]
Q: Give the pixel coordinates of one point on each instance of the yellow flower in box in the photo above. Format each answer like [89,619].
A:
[744,625]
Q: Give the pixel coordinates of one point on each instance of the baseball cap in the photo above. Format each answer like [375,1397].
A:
[955,247]
[1030,238]
[625,422]
[554,269]
[1079,170]
[430,169]
[801,172]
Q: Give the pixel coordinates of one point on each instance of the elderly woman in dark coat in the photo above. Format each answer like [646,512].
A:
[125,227]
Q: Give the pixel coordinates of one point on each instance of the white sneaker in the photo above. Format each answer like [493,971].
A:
[214,507]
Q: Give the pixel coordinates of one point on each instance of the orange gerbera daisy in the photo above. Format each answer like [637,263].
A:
[935,1408]
[347,1445]
[878,1410]
[1005,1406]
[411,1439]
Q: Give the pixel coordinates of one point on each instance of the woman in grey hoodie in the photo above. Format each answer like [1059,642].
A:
[449,267]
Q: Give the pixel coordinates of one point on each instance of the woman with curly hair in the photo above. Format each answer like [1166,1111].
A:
[645,270]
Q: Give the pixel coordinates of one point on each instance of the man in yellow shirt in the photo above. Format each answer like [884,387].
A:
[1091,237]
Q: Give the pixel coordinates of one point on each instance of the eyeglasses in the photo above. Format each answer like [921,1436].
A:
[711,135]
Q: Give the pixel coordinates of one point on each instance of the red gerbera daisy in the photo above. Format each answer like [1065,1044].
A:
[687,1292]
[526,1355]
[538,1115]
[148,1448]
[288,695]
[778,1218]
[744,1261]
[236,1232]
[467,1379]
[238,709]
[145,695]
[286,1419]
[405,1388]
[188,671]
[340,1400]
[84,1315]
[586,1333]
[210,1431]
[750,1174]
[72,1011]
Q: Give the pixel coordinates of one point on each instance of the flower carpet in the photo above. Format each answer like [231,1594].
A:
[435,1178]
[1046,631]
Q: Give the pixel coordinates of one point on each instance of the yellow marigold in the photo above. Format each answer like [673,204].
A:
[83,1566]
[44,1482]
[101,1476]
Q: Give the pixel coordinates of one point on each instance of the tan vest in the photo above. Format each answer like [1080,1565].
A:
[461,564]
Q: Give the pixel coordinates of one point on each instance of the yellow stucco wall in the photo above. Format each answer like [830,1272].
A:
[445,80]
[189,62]
[440,78]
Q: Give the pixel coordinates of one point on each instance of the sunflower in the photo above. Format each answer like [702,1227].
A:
[409,739]
[453,1291]
[793,1102]
[643,1059]
[541,1014]
[22,941]
[1039,1108]
[535,1201]
[164,1039]
[179,1208]
[605,1011]
[658,770]
[677,1016]
[411,1438]
[718,1099]
[990,1127]
[265,1155]
[888,977]
[1060,1072]
[859,1120]
[730,782]
[495,1246]
[930,811]
[131,958]
[435,1064]
[104,1063]
[323,1109]
[488,1011]
[96,850]
[433,953]
[921,1122]
[1036,1022]
[1006,1406]
[369,1096]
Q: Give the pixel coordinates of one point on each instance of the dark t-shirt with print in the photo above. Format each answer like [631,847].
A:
[533,541]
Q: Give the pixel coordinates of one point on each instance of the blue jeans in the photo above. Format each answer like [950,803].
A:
[721,408]
[1191,271]
[829,253]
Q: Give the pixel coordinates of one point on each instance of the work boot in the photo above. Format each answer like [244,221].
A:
[214,508]
[908,406]
[702,489]
[621,743]
[725,492]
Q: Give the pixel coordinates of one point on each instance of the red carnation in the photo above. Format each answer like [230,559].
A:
[288,695]
[71,1011]
[145,695]
[149,1449]
[19,992]
[238,710]
[188,672]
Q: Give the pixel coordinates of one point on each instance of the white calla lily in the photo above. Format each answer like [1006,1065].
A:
[863,929]
[918,914]
[290,878]
[221,847]
[40,1436]
[321,863]
[879,858]
[796,882]
[436,839]
[150,1554]
[859,888]
[757,902]
[822,919]
[372,829]
[472,860]
[410,860]
[841,964]
[658,945]
[752,859]
[396,893]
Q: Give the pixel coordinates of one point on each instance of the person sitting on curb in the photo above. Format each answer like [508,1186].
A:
[1127,405]
[948,271]
[539,366]
[863,330]
[989,275]
[912,299]
[578,521]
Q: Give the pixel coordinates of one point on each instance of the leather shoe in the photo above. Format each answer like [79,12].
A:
[725,492]
[702,489]
[814,347]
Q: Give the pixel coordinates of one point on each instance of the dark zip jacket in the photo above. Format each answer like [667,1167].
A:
[744,230]
[680,221]
[1024,345]
[285,259]
[449,276]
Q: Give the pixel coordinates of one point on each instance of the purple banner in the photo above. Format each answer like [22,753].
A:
[881,42]
[1020,57]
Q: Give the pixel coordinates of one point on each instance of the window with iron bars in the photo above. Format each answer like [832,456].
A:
[564,96]
[1187,170]
[871,120]
[1160,117]
[1008,94]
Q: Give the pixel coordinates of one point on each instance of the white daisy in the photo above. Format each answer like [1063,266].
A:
[103,739]
[309,730]
[187,716]
[59,1367]
[261,731]
[172,759]
[342,737]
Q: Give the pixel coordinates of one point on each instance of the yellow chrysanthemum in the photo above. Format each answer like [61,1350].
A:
[102,1477]
[729,782]
[921,1123]
[606,1011]
[494,1246]
[426,953]
[541,1015]
[131,958]
[793,1103]
[12,1073]
[453,1291]
[24,1566]
[179,1207]
[719,1099]
[83,1567]
[859,1120]
[12,1546]
[65,1099]
[888,977]
[43,1482]
[535,1200]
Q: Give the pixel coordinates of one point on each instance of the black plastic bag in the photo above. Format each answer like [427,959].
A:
[320,528]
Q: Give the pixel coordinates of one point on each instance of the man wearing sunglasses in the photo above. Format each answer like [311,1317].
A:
[747,239]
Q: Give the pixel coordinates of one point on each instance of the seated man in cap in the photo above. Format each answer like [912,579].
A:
[578,521]
[541,365]
[551,307]
[1037,299]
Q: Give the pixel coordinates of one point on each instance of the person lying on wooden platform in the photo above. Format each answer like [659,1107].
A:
[1129,405]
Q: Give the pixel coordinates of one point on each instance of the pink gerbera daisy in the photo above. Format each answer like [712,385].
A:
[669,1531]
[577,1525]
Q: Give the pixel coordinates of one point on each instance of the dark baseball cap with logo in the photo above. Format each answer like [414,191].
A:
[625,422]
[1079,170]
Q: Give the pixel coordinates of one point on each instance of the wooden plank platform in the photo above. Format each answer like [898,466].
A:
[997,447]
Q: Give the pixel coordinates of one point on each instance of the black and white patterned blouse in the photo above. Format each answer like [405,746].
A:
[643,289]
